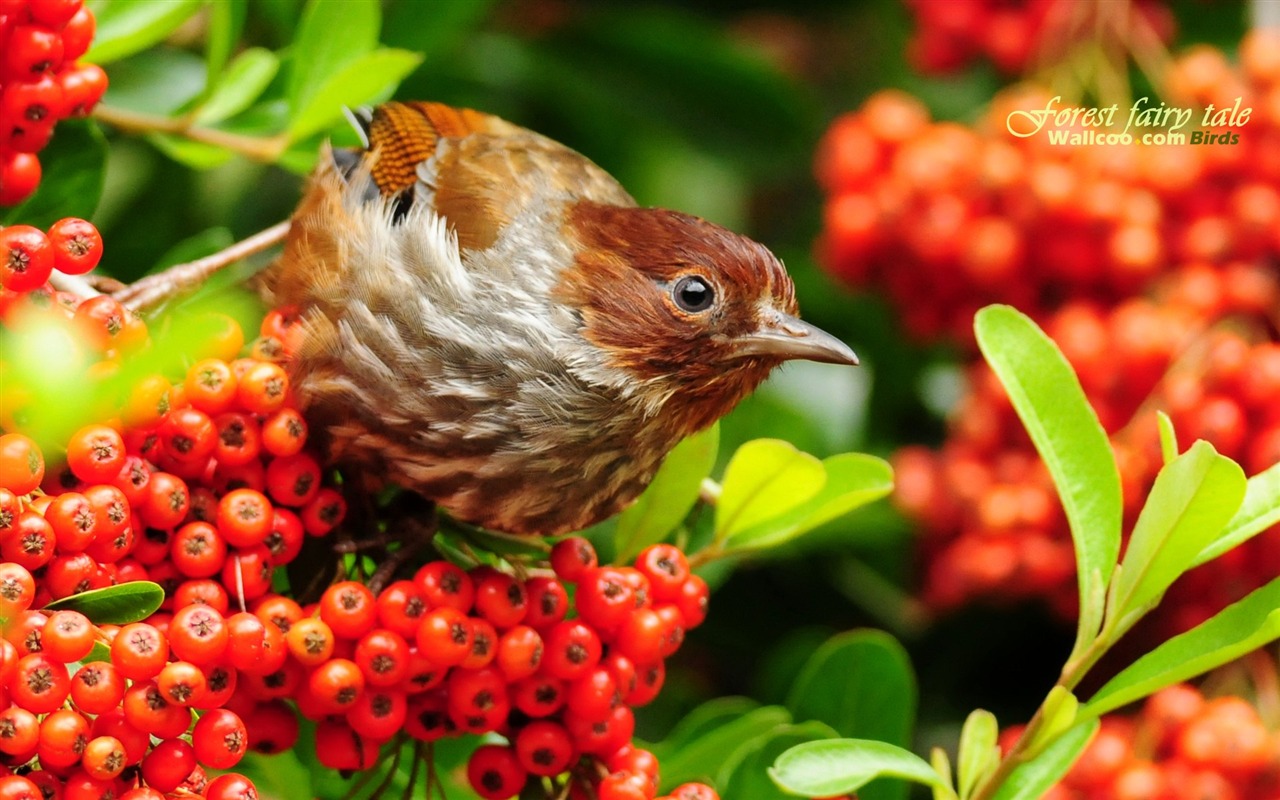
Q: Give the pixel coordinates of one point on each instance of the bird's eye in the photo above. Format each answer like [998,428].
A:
[693,294]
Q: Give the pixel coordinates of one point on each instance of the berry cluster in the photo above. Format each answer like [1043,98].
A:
[41,82]
[1014,35]
[558,688]
[28,255]
[204,486]
[946,218]
[1180,745]
[990,524]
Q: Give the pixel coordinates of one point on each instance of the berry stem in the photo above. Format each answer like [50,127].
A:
[256,147]
[181,278]
[72,283]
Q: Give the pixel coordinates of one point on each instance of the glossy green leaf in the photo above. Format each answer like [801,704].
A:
[1193,497]
[331,35]
[115,605]
[75,164]
[700,757]
[1052,406]
[1168,437]
[670,495]
[1029,781]
[860,683]
[942,765]
[368,79]
[852,481]
[978,753]
[842,766]
[765,479]
[99,652]
[747,772]
[125,27]
[244,81]
[1060,710]
[702,720]
[1239,628]
[1259,510]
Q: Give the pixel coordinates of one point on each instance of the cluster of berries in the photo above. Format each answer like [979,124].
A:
[204,486]
[1131,256]
[989,522]
[1179,745]
[558,688]
[41,83]
[28,255]
[946,218]
[1014,35]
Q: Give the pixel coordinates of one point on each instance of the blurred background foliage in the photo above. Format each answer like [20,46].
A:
[713,107]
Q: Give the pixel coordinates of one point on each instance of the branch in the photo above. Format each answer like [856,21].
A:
[267,149]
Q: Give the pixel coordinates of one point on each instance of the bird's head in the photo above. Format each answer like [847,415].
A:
[695,314]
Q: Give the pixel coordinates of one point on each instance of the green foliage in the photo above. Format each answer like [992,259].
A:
[1240,628]
[670,497]
[843,766]
[861,684]
[1030,780]
[1194,496]
[1047,396]
[126,27]
[114,605]
[1200,506]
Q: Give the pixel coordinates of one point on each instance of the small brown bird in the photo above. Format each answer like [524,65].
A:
[491,321]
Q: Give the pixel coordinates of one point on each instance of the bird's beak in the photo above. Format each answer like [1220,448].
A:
[786,337]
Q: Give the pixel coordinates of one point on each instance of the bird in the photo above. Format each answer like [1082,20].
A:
[491,321]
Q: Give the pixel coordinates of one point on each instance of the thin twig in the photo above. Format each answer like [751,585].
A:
[74,284]
[182,278]
[259,148]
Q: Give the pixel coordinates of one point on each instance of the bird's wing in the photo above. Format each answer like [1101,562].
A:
[475,170]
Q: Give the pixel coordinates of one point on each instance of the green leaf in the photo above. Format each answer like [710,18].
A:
[369,78]
[244,81]
[1029,781]
[1239,628]
[842,766]
[1259,511]
[1168,437]
[747,774]
[860,683]
[765,479]
[942,765]
[852,481]
[670,495]
[75,164]
[226,21]
[160,81]
[1060,710]
[115,605]
[1048,398]
[99,652]
[331,35]
[703,719]
[126,27]
[1194,496]
[978,754]
[699,758]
